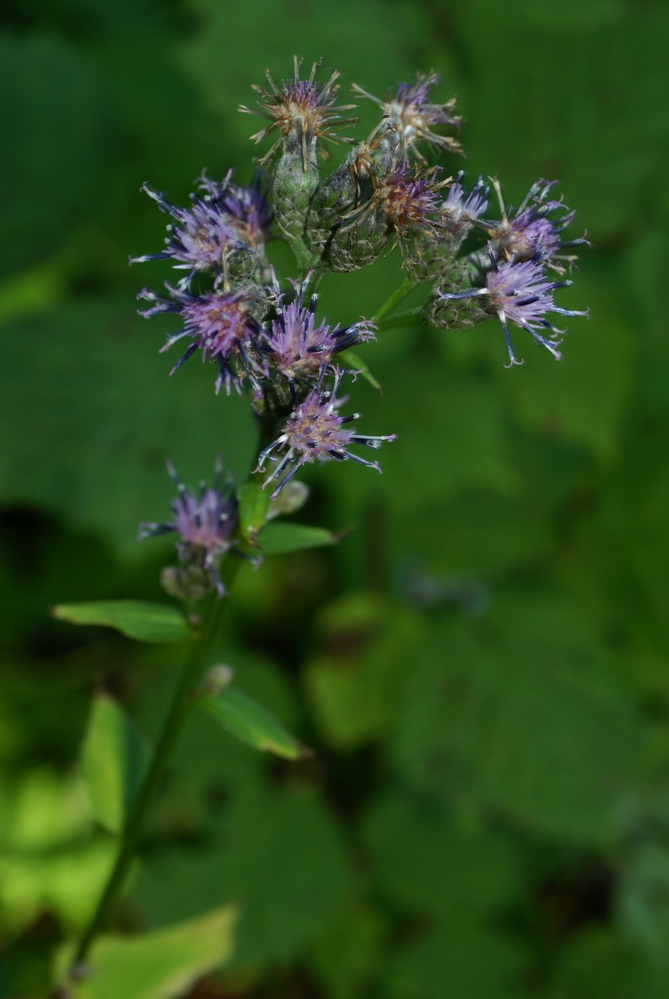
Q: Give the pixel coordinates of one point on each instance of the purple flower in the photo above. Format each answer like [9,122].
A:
[409,115]
[295,345]
[530,233]
[461,211]
[221,325]
[409,199]
[200,239]
[520,293]
[313,430]
[245,208]
[206,524]
[304,112]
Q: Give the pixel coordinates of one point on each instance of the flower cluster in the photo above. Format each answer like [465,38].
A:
[264,334]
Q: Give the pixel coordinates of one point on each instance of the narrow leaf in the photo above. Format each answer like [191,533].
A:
[281,538]
[113,762]
[160,965]
[353,361]
[142,621]
[249,722]
[253,508]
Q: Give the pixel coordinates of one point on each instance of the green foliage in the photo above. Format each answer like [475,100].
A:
[160,965]
[113,762]
[283,538]
[485,813]
[134,618]
[249,722]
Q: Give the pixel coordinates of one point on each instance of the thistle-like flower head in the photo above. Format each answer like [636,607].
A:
[295,345]
[530,232]
[520,293]
[206,523]
[246,209]
[408,116]
[304,112]
[459,210]
[199,240]
[313,430]
[221,325]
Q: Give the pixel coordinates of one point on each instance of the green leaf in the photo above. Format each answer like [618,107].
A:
[249,722]
[159,965]
[279,539]
[253,508]
[352,360]
[142,621]
[281,856]
[113,761]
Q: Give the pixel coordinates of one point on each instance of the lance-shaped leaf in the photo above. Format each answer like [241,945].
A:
[281,538]
[159,965]
[249,722]
[142,621]
[113,763]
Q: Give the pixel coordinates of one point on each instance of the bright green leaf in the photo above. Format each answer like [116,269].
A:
[279,539]
[253,508]
[249,722]
[113,760]
[142,621]
[159,965]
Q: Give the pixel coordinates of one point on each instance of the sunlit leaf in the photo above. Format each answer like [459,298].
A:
[159,965]
[114,757]
[249,722]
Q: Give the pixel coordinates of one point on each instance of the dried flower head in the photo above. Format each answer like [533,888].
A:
[409,115]
[206,523]
[313,430]
[529,232]
[304,112]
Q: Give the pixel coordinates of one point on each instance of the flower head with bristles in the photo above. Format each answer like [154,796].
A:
[315,430]
[460,211]
[299,348]
[206,523]
[521,294]
[304,112]
[529,232]
[409,200]
[246,208]
[200,239]
[409,115]
[221,325]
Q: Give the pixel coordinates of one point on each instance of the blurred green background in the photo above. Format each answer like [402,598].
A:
[481,666]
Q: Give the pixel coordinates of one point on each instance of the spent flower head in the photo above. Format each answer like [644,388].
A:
[409,116]
[305,112]
[531,232]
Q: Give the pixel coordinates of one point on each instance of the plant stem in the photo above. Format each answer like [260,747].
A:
[176,715]
[395,298]
[412,317]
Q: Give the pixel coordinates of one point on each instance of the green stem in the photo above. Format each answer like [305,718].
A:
[395,298]
[412,317]
[176,716]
